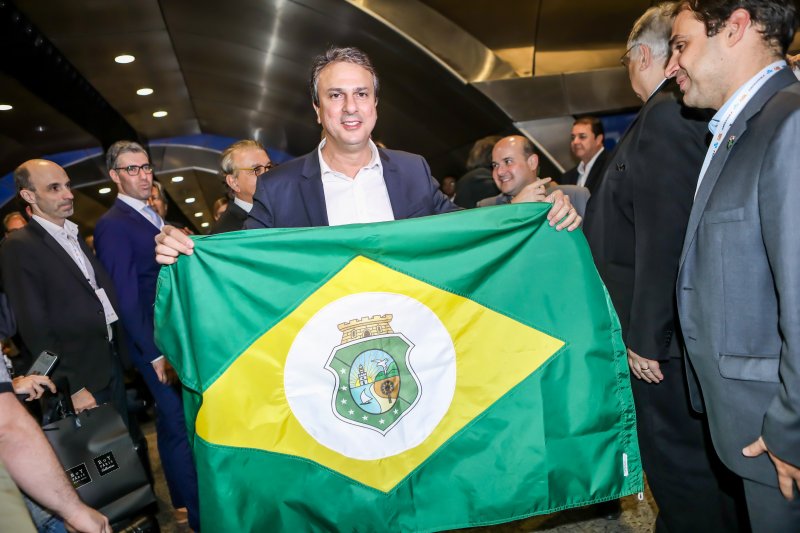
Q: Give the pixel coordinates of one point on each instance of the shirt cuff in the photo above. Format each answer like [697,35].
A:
[159,358]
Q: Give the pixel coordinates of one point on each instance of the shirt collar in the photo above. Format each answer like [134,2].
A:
[717,118]
[657,88]
[244,205]
[583,166]
[69,228]
[135,203]
[374,162]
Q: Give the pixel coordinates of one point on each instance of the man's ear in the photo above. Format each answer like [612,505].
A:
[736,26]
[316,110]
[601,138]
[533,162]
[114,175]
[232,182]
[28,195]
[645,57]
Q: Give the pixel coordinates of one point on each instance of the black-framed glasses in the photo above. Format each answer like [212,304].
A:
[626,57]
[258,169]
[133,170]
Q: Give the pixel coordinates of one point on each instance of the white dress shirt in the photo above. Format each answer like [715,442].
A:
[67,238]
[355,200]
[585,168]
[244,205]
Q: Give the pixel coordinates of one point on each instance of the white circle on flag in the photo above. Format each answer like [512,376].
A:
[311,387]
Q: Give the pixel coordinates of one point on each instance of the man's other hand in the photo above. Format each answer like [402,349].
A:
[170,244]
[643,368]
[788,474]
[86,520]
[160,366]
[33,385]
[83,400]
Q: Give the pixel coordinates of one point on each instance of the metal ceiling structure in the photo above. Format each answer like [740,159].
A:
[451,72]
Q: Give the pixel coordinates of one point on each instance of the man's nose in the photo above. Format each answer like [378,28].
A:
[672,66]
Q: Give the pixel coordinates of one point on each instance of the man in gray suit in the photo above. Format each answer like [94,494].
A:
[739,283]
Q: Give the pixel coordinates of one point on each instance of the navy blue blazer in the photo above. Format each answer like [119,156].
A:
[124,241]
[291,195]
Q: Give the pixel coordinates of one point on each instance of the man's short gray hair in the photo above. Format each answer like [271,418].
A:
[119,148]
[653,29]
[335,54]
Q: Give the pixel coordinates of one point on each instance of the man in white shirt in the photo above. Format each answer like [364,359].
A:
[347,179]
[242,163]
[586,143]
[62,297]
[738,283]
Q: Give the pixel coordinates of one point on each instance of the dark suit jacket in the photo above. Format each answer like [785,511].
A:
[231,220]
[56,307]
[474,186]
[636,219]
[124,241]
[570,177]
[292,196]
[739,283]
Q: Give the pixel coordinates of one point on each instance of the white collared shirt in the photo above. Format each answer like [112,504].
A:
[244,205]
[355,200]
[67,238]
[139,207]
[723,119]
[585,168]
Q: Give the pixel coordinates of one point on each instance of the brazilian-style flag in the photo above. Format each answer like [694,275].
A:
[418,375]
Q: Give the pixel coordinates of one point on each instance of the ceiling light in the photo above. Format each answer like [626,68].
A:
[124,58]
[198,214]
[40,129]
[160,114]
[105,190]
[177,179]
[6,107]
[189,200]
[145,91]
[204,225]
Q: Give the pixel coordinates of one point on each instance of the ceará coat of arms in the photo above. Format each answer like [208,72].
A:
[375,383]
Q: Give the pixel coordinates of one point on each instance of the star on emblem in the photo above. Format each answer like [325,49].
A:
[350,412]
[343,371]
[344,387]
[381,421]
[365,418]
[344,402]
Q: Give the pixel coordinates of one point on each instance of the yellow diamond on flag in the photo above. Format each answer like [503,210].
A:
[370,375]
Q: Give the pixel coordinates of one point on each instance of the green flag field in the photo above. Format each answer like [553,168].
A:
[427,374]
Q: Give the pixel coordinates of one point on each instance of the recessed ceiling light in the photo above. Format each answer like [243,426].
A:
[40,129]
[6,107]
[160,114]
[124,58]
[105,190]
[198,214]
[204,225]
[189,200]
[144,91]
[177,179]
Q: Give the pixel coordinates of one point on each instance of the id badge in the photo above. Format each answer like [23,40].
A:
[108,309]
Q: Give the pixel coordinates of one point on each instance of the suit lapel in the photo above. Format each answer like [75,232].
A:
[135,216]
[312,192]
[737,130]
[65,259]
[393,181]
